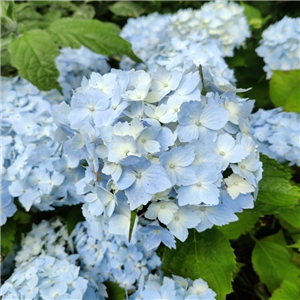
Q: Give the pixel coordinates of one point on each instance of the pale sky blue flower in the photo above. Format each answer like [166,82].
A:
[203,189]
[178,165]
[140,180]
[154,235]
[195,121]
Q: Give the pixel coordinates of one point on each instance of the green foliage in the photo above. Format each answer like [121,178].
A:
[126,9]
[114,291]
[235,229]
[8,231]
[275,190]
[34,61]
[285,89]
[272,262]
[93,34]
[8,17]
[287,291]
[205,255]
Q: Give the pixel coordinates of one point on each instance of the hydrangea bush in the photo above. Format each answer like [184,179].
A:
[146,182]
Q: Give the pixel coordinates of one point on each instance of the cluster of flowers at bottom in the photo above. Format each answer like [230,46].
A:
[53,265]
[44,269]
[278,134]
[280,47]
[157,146]
[161,287]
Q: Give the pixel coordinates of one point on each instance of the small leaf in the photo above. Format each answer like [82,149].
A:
[10,12]
[253,15]
[287,291]
[205,255]
[93,34]
[284,88]
[33,55]
[235,229]
[132,221]
[74,216]
[114,291]
[272,263]
[275,189]
[126,9]
[8,231]
[22,217]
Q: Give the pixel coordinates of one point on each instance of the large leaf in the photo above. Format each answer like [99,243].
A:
[126,9]
[33,55]
[272,263]
[285,89]
[253,15]
[235,229]
[205,255]
[287,291]
[93,34]
[275,189]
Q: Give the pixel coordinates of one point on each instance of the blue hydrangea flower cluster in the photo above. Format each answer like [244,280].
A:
[154,144]
[181,54]
[110,257]
[278,134]
[74,64]
[34,169]
[220,23]
[44,270]
[159,287]
[280,47]
[53,265]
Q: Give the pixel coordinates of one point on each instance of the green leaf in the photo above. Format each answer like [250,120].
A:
[287,291]
[132,221]
[277,238]
[253,15]
[284,89]
[93,34]
[22,217]
[84,12]
[291,215]
[205,255]
[114,291]
[8,231]
[126,9]
[74,216]
[272,263]
[33,55]
[5,58]
[10,12]
[275,189]
[235,229]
